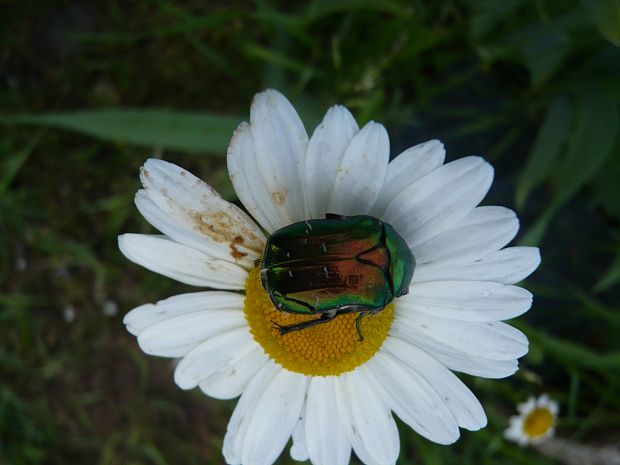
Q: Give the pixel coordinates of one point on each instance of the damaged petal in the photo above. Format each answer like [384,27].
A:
[192,205]
[227,226]
[234,251]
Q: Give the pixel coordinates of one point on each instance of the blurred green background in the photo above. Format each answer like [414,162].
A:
[89,90]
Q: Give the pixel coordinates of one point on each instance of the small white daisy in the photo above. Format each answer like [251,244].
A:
[535,422]
[322,386]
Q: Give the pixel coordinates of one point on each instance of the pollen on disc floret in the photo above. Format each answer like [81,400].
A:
[328,349]
[538,422]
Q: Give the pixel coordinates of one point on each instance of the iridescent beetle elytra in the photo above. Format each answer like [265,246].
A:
[333,266]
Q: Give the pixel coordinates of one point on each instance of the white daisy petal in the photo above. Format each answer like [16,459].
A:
[242,415]
[274,418]
[140,318]
[231,381]
[527,406]
[326,436]
[458,398]
[217,354]
[189,211]
[175,337]
[325,152]
[361,173]
[552,405]
[247,181]
[436,201]
[413,399]
[482,231]
[368,421]
[455,359]
[507,266]
[280,141]
[514,432]
[475,366]
[409,166]
[346,417]
[494,340]
[467,300]
[299,449]
[182,263]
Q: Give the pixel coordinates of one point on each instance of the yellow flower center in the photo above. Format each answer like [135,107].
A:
[327,349]
[538,422]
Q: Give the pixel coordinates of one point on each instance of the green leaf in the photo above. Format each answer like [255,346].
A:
[13,163]
[606,189]
[540,44]
[611,276]
[156,129]
[591,142]
[488,14]
[543,49]
[605,14]
[570,353]
[548,145]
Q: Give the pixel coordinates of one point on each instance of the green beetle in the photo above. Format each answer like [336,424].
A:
[337,265]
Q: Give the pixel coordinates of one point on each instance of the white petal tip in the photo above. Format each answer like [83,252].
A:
[147,344]
[182,381]
[127,243]
[152,164]
[433,145]
[269,97]
[451,440]
[299,454]
[535,257]
[482,423]
[122,244]
[129,323]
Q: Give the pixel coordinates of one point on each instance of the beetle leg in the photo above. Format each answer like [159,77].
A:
[358,321]
[324,318]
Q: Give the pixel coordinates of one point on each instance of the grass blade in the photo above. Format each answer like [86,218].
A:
[160,129]
[610,278]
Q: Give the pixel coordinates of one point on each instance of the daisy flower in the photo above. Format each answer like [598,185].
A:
[324,387]
[535,422]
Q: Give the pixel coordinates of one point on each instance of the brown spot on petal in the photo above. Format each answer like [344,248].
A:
[216,226]
[222,227]
[234,251]
[278,197]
